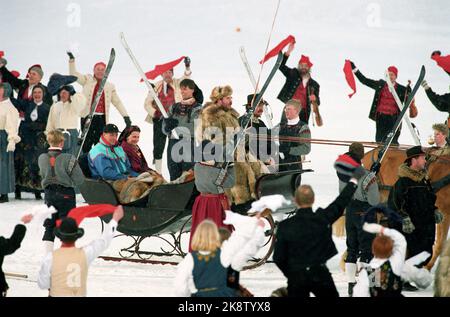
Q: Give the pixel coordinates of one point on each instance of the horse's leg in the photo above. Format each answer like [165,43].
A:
[441,237]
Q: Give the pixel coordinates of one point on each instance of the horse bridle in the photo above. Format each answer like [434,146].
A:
[442,182]
[381,185]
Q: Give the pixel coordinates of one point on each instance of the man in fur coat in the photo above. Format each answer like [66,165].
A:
[413,197]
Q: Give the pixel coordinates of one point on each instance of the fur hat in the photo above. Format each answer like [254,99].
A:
[220,92]
[56,81]
[68,230]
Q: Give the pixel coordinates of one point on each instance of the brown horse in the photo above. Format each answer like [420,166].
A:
[438,168]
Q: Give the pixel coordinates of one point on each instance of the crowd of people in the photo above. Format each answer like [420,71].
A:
[40,152]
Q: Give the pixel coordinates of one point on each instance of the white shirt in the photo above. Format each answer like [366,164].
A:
[293,121]
[92,251]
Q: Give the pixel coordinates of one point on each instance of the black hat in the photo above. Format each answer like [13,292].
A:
[68,88]
[250,98]
[111,128]
[57,81]
[414,151]
[68,230]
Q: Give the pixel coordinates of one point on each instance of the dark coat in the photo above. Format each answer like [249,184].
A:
[293,80]
[136,158]
[441,102]
[7,247]
[263,146]
[412,196]
[22,85]
[304,240]
[378,85]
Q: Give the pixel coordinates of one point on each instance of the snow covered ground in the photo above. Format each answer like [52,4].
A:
[374,34]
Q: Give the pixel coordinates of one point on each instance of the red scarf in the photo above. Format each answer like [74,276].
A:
[274,52]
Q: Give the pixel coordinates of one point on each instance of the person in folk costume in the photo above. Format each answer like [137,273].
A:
[65,115]
[384,110]
[182,116]
[387,272]
[168,91]
[33,142]
[413,197]
[60,174]
[259,142]
[107,159]
[358,241]
[9,246]
[25,86]
[64,271]
[9,122]
[214,144]
[440,141]
[299,85]
[291,151]
[442,276]
[441,102]
[207,265]
[304,242]
[101,115]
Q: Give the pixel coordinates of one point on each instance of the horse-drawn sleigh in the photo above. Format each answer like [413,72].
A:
[165,213]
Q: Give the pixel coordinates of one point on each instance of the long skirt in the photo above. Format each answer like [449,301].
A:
[209,206]
[26,156]
[7,177]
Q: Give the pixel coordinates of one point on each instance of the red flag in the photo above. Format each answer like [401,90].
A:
[2,53]
[90,211]
[274,52]
[159,69]
[442,61]
[350,77]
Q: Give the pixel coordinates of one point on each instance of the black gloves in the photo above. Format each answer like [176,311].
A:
[375,167]
[353,65]
[187,61]
[170,124]
[70,55]
[127,121]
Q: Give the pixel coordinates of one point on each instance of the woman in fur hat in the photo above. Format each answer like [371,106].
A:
[65,115]
[9,121]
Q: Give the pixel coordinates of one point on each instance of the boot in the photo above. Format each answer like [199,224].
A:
[350,270]
[38,196]
[18,194]
[158,166]
[4,198]
[48,246]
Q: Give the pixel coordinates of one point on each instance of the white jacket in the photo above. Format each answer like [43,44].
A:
[158,87]
[9,120]
[242,245]
[89,82]
[66,115]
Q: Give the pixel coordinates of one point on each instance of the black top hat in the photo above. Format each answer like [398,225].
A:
[68,230]
[111,128]
[414,151]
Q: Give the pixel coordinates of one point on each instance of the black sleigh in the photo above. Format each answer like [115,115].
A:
[165,213]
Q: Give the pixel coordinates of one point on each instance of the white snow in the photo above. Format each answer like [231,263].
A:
[374,34]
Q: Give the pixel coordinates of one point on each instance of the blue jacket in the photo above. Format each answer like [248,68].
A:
[110,163]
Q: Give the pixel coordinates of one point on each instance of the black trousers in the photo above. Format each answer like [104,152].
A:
[95,131]
[384,125]
[316,280]
[63,199]
[359,242]
[159,139]
[179,161]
